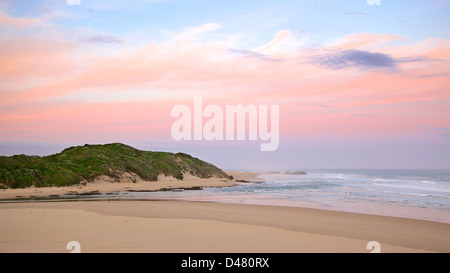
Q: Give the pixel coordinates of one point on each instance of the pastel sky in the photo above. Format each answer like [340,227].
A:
[358,85]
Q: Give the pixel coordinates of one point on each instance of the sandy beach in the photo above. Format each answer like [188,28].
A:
[181,226]
[174,226]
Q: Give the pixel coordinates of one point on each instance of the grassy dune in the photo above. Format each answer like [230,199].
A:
[82,164]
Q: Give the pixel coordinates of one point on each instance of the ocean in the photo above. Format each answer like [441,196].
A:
[419,194]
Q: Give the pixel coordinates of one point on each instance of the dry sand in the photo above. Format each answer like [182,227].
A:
[177,226]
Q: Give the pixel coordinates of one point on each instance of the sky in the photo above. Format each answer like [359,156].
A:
[357,85]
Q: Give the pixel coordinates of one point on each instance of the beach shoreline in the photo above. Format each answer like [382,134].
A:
[136,225]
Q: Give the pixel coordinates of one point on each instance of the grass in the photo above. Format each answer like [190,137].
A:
[79,164]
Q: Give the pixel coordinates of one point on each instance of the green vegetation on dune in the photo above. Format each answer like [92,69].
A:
[79,164]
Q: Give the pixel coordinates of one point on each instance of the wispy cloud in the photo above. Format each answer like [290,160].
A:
[436,128]
[250,54]
[362,115]
[355,58]
[18,22]
[103,39]
[413,59]
[356,13]
[194,32]
[440,131]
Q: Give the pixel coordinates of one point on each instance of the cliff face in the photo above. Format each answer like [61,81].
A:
[82,164]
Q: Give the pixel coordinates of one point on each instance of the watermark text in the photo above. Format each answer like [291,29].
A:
[214,128]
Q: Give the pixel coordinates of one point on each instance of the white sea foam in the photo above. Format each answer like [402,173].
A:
[386,192]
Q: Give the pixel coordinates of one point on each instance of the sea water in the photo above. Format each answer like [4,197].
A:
[422,194]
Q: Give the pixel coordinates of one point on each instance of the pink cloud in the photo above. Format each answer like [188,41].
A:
[8,21]
[363,41]
[40,77]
